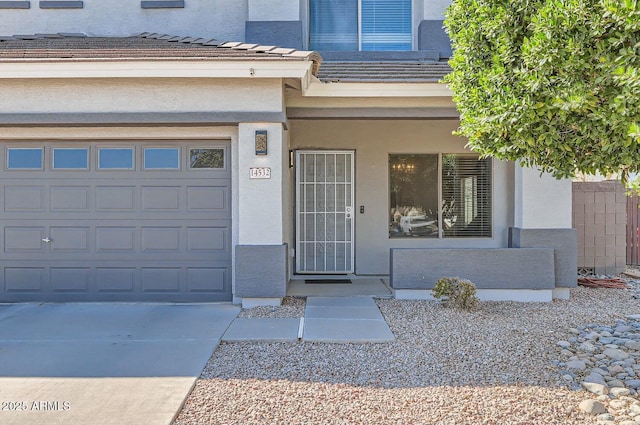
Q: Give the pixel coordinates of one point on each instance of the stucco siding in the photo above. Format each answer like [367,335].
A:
[487,268]
[434,9]
[274,10]
[140,95]
[373,141]
[221,19]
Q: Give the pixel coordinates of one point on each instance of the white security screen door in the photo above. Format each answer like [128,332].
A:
[324,211]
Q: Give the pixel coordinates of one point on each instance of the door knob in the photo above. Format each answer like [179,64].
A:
[47,240]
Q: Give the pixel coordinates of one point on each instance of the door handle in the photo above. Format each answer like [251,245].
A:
[348,212]
[47,240]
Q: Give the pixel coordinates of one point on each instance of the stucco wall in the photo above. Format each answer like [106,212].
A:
[274,10]
[373,141]
[221,19]
[140,95]
[541,201]
[434,9]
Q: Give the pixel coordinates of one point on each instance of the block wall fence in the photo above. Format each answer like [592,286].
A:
[600,218]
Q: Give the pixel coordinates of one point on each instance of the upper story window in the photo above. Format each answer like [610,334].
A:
[367,25]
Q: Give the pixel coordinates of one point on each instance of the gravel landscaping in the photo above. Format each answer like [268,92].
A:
[500,364]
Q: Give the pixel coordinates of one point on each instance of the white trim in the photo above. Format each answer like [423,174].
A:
[520,295]
[319,89]
[152,68]
[561,293]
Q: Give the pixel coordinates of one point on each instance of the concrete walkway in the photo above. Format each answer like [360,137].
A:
[326,319]
[103,363]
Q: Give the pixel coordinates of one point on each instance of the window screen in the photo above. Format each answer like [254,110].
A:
[466,196]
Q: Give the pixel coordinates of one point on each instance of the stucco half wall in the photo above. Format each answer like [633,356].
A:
[373,141]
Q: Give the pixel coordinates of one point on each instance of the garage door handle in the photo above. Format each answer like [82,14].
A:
[47,240]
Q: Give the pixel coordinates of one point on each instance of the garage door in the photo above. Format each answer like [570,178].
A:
[116,221]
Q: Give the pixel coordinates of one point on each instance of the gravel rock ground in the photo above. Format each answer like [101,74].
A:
[497,365]
[291,307]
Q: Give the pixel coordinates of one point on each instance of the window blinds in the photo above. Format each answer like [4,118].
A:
[386,24]
[333,25]
[466,196]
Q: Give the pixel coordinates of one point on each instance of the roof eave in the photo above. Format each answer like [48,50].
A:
[316,88]
[155,68]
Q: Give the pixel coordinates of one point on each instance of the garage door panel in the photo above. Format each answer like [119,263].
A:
[24,279]
[23,239]
[115,198]
[115,279]
[74,198]
[207,279]
[158,198]
[209,239]
[70,279]
[23,198]
[120,239]
[166,239]
[69,239]
[165,279]
[209,198]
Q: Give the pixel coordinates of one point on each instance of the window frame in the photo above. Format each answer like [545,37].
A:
[143,157]
[218,147]
[441,236]
[33,148]
[129,147]
[359,27]
[53,158]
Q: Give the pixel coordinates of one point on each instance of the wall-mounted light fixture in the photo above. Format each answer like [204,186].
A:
[261,142]
[290,158]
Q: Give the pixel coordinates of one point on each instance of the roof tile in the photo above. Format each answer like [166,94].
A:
[383,71]
[143,46]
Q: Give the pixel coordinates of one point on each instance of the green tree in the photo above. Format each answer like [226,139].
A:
[551,83]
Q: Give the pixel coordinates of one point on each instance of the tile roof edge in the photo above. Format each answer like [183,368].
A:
[276,51]
[309,55]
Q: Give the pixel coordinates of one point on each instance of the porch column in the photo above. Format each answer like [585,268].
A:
[261,253]
[542,219]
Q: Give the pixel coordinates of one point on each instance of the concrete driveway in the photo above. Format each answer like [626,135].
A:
[103,363]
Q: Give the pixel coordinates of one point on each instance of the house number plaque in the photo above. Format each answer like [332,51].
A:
[260,173]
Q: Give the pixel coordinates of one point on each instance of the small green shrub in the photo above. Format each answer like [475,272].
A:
[456,292]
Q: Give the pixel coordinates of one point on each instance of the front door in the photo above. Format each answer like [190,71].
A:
[324,212]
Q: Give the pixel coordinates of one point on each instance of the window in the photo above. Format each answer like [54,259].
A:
[70,158]
[368,25]
[206,158]
[115,158]
[466,196]
[453,203]
[162,158]
[413,184]
[24,158]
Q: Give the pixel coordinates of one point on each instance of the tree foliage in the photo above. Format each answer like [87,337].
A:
[551,83]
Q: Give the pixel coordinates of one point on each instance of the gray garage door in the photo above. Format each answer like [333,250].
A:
[116,221]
